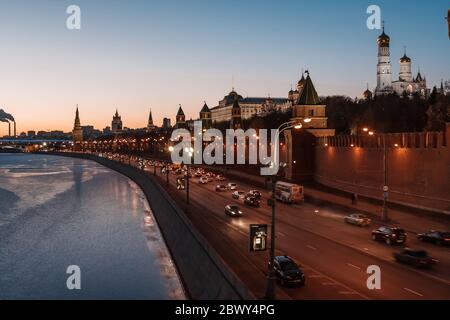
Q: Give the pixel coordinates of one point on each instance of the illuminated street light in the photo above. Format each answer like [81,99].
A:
[270,290]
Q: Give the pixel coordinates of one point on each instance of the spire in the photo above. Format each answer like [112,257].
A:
[117,113]
[205,108]
[180,111]
[77,118]
[150,119]
[309,94]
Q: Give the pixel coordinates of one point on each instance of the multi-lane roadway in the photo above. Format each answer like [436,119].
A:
[334,255]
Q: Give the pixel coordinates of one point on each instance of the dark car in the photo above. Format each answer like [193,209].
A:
[437,237]
[251,201]
[221,188]
[233,210]
[288,272]
[416,258]
[390,235]
[255,193]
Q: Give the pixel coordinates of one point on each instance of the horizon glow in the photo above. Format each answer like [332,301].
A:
[138,55]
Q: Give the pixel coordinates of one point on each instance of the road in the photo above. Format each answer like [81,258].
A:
[334,255]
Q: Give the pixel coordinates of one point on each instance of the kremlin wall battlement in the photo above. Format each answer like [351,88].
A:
[418,167]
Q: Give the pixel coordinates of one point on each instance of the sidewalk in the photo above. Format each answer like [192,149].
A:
[413,221]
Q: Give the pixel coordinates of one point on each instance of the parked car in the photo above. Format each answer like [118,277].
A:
[358,220]
[416,258]
[221,188]
[255,193]
[232,186]
[220,177]
[437,237]
[288,272]
[390,235]
[240,195]
[233,210]
[203,180]
[251,201]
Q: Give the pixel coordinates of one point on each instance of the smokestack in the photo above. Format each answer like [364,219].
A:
[15,132]
[9,129]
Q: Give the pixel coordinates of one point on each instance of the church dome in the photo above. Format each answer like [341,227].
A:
[383,40]
[405,58]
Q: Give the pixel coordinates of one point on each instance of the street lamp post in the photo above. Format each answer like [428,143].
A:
[384,212]
[270,289]
[190,151]
[167,174]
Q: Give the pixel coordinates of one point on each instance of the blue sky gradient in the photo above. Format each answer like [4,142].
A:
[138,54]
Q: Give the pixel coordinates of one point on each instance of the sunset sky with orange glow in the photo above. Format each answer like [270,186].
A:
[137,55]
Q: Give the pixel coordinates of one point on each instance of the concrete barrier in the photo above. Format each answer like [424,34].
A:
[204,274]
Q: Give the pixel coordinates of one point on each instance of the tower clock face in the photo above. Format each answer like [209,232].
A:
[383,71]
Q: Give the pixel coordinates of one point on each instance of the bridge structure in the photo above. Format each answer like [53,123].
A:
[26,145]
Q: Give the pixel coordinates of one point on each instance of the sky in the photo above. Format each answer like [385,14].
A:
[141,54]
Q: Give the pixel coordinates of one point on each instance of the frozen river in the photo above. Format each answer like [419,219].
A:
[57,212]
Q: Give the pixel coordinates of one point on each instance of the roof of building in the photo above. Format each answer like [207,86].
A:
[309,94]
[205,109]
[405,58]
[180,112]
[383,39]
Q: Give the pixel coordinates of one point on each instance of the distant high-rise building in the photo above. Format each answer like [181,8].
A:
[116,123]
[166,124]
[77,129]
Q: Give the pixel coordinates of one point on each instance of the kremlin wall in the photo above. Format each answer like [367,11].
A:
[418,167]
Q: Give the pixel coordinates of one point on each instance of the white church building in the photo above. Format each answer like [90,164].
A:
[405,83]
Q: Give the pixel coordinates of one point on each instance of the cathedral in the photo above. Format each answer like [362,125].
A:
[406,83]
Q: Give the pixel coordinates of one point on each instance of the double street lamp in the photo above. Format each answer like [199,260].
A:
[294,124]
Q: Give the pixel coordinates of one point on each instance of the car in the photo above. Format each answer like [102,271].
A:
[255,193]
[416,258]
[220,177]
[390,235]
[437,237]
[288,272]
[240,195]
[179,171]
[252,201]
[233,210]
[358,220]
[221,187]
[210,179]
[203,180]
[198,174]
[232,186]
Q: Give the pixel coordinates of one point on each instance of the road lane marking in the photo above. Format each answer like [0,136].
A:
[282,234]
[311,247]
[413,292]
[347,292]
[316,276]
[330,284]
[353,266]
